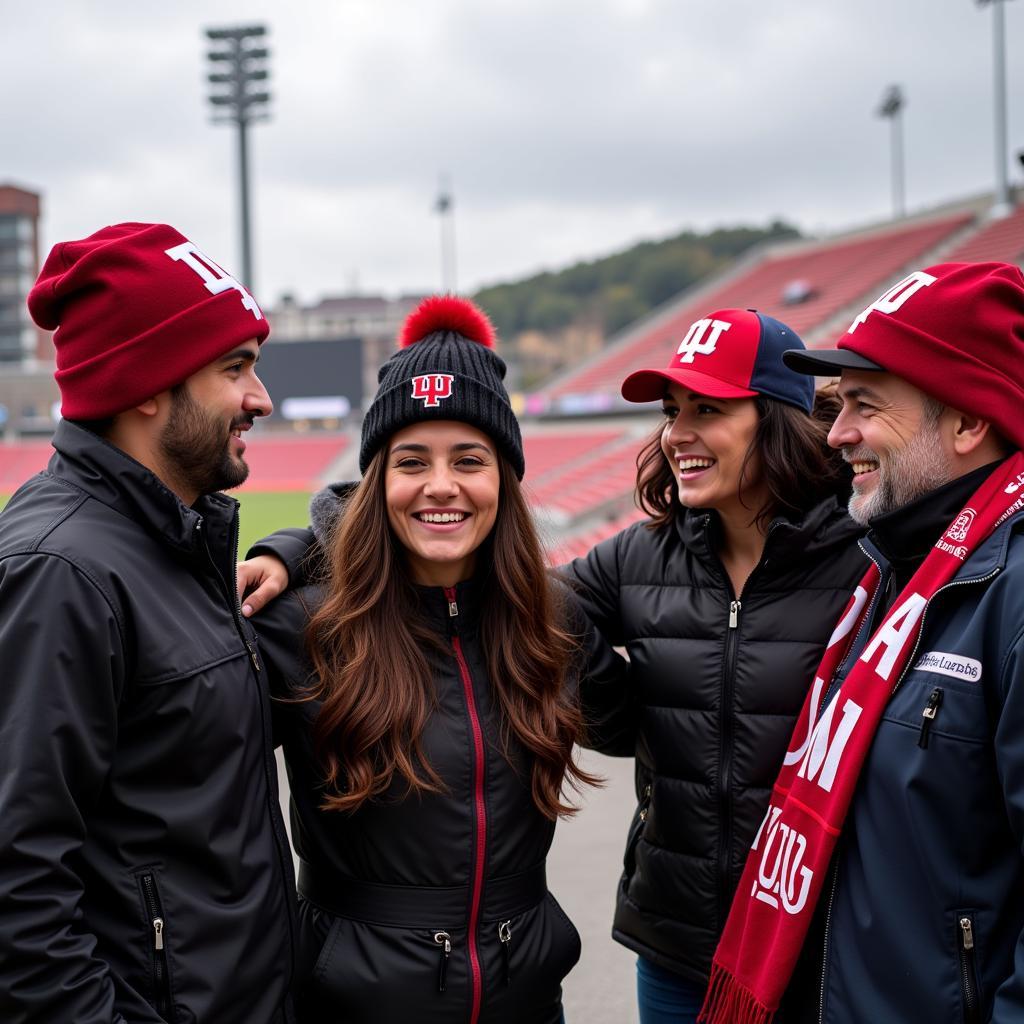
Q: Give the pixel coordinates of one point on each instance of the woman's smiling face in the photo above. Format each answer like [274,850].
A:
[441,486]
[706,441]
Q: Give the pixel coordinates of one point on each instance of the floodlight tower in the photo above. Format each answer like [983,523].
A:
[1002,205]
[239,97]
[891,107]
[444,207]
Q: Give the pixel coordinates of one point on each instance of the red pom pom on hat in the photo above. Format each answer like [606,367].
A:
[447,313]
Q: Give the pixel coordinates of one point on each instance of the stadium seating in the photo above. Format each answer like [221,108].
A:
[998,240]
[837,273]
[551,452]
[605,476]
[20,461]
[581,543]
[291,463]
[580,471]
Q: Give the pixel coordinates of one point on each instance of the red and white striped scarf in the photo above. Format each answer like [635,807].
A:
[789,858]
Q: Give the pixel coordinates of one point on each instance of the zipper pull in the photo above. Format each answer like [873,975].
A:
[252,654]
[931,709]
[734,614]
[645,804]
[453,605]
[968,933]
[505,937]
[444,940]
[158,933]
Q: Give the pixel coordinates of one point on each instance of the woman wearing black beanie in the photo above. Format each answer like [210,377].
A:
[430,706]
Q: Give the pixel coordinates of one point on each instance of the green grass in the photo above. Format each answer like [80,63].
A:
[262,512]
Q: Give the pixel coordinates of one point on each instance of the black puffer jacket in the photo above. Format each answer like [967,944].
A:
[717,685]
[429,908]
[145,874]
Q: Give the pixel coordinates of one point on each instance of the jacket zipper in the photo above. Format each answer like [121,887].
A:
[444,940]
[281,842]
[931,709]
[505,938]
[629,858]
[725,755]
[725,747]
[479,806]
[828,929]
[158,924]
[968,975]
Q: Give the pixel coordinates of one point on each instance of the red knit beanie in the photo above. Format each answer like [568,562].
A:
[954,330]
[137,309]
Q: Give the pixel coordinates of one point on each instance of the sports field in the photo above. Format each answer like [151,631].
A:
[262,512]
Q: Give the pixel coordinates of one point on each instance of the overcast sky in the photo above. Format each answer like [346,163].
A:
[568,128]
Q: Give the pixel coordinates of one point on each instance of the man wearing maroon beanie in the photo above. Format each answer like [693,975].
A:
[886,882]
[145,875]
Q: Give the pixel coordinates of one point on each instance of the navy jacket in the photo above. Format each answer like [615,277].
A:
[924,908]
[145,874]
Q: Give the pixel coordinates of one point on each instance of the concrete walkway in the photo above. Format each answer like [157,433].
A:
[583,873]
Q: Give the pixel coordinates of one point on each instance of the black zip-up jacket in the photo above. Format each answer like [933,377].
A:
[145,874]
[716,684]
[430,908]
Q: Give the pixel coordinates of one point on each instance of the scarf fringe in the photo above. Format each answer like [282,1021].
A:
[729,1002]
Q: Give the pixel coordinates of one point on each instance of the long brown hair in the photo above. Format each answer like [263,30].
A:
[367,644]
[798,467]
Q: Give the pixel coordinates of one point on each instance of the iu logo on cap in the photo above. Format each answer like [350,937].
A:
[701,339]
[432,388]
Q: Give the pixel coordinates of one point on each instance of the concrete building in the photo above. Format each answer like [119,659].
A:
[21,343]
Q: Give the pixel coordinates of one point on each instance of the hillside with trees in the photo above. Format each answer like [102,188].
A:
[554,318]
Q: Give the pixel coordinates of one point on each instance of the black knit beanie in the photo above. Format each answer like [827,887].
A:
[445,369]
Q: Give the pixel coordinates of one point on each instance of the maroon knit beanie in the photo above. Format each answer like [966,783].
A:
[954,330]
[137,309]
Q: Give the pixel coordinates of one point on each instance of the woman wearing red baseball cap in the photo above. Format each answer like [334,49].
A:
[724,600]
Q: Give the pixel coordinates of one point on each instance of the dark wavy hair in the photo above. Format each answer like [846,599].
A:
[368,649]
[797,465]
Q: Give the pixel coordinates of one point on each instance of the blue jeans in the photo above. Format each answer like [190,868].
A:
[664,997]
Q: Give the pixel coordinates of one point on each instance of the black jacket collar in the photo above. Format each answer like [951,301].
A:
[112,477]
[821,529]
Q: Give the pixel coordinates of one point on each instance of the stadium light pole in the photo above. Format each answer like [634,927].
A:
[444,207]
[891,108]
[239,97]
[1002,205]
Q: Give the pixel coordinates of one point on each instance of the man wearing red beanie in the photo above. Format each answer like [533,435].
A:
[886,881]
[145,874]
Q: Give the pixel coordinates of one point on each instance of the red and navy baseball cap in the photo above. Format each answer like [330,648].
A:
[731,353]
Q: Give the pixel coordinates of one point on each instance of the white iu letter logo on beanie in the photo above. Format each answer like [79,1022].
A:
[215,278]
[432,388]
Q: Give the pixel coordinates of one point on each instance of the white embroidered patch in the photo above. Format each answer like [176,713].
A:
[956,665]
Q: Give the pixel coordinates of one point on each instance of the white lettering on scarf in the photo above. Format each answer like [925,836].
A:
[896,631]
[777,878]
[842,630]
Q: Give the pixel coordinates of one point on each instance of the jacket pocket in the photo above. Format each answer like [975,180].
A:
[970,991]
[525,958]
[636,830]
[157,932]
[369,972]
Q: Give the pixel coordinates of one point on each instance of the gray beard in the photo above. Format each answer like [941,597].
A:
[903,476]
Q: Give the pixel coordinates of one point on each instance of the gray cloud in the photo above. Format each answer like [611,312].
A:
[568,128]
